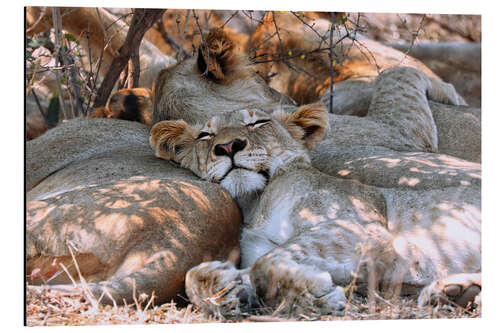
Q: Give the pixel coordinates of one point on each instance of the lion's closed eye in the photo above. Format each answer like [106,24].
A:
[204,136]
[259,123]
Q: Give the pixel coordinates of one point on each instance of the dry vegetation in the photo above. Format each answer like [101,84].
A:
[57,309]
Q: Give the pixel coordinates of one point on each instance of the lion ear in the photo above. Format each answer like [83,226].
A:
[169,138]
[308,124]
[218,58]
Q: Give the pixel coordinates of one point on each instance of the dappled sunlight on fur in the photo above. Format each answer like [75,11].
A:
[306,234]
[127,215]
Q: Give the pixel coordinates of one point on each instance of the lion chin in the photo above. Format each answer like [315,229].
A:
[241,181]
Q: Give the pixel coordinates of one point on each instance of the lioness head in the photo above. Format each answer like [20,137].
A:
[241,149]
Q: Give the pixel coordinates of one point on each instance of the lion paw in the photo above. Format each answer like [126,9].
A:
[219,285]
[459,289]
[333,301]
[445,93]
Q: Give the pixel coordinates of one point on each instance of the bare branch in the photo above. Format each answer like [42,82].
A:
[414,37]
[331,64]
[323,39]
[171,40]
[134,69]
[184,29]
[56,17]
[204,42]
[230,18]
[40,108]
[142,20]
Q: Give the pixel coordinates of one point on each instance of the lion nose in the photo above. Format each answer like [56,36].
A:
[230,148]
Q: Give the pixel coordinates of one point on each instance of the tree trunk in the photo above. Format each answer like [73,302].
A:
[142,20]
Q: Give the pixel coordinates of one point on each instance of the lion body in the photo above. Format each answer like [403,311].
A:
[132,221]
[306,233]
[381,191]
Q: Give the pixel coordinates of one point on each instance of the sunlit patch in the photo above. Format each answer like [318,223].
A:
[165,257]
[391,162]
[309,216]
[474,175]
[132,264]
[351,227]
[333,210]
[400,245]
[196,195]
[344,173]
[408,181]
[118,204]
[413,169]
[364,211]
[116,225]
[37,211]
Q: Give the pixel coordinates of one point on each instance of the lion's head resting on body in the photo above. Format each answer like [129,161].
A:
[241,149]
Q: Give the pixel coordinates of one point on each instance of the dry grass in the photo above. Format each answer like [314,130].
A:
[52,308]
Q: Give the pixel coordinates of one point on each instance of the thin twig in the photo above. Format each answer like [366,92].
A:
[254,49]
[171,40]
[331,64]
[57,33]
[43,13]
[230,18]
[69,61]
[413,38]
[37,101]
[184,29]
[370,54]
[288,57]
[204,42]
[85,288]
[207,19]
[90,79]
[323,39]
[105,42]
[104,33]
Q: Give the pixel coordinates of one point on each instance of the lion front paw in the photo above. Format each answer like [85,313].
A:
[459,289]
[220,286]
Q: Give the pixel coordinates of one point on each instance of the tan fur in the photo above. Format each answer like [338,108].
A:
[133,222]
[306,233]
[35,126]
[309,121]
[309,79]
[174,20]
[221,57]
[183,92]
[119,106]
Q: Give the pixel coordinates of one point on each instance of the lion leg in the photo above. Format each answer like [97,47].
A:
[277,278]
[461,289]
[220,285]
[400,100]
[444,93]
[151,279]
